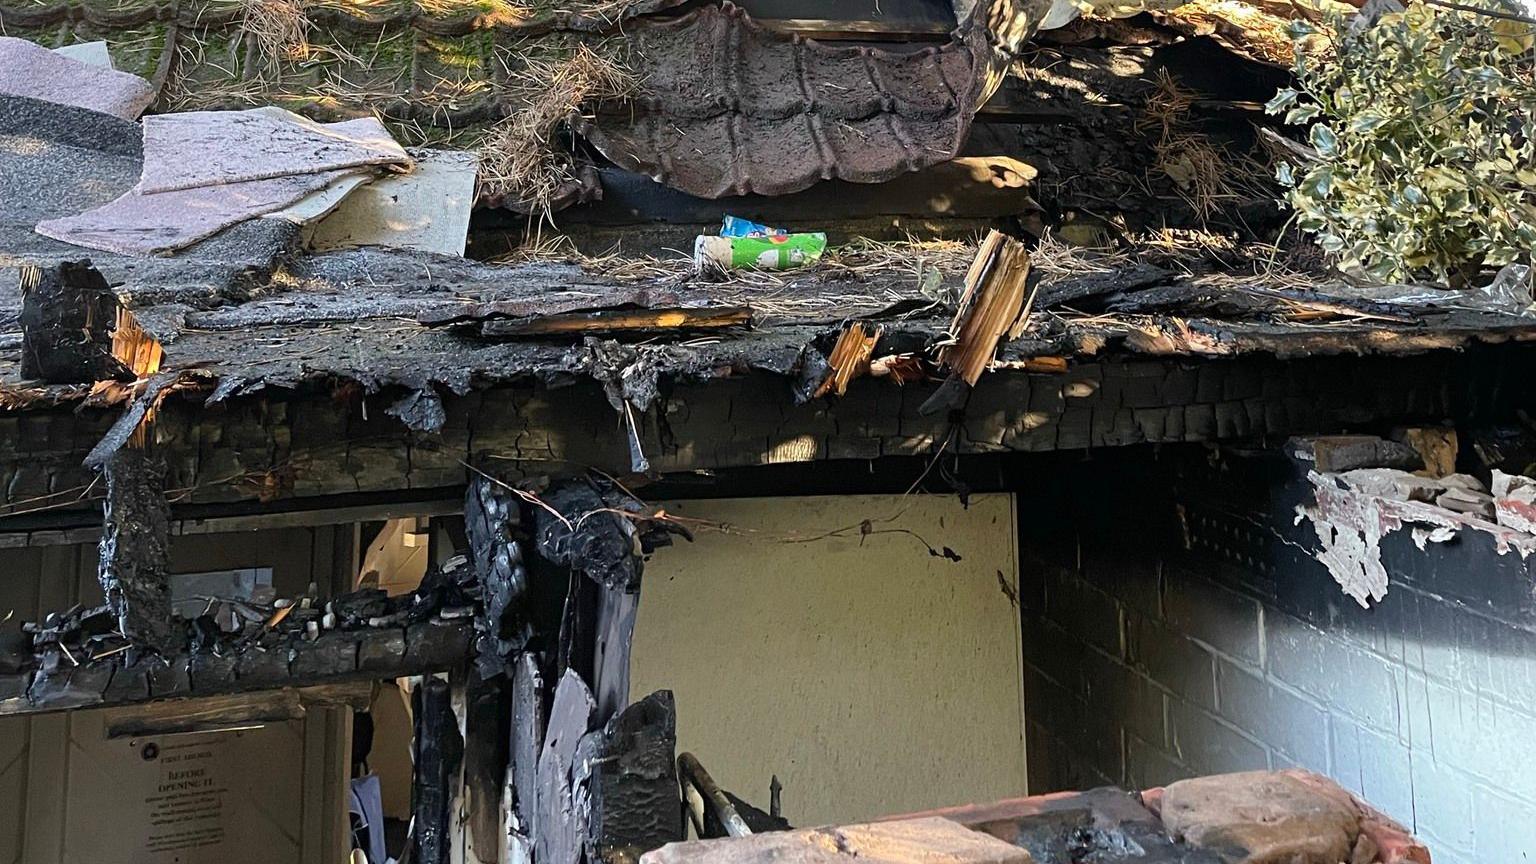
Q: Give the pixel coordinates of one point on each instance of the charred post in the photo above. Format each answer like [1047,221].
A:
[68,315]
[481,805]
[439,752]
[135,549]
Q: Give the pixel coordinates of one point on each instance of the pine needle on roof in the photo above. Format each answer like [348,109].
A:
[521,157]
[280,29]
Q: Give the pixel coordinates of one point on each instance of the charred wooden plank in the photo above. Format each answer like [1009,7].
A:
[490,512]
[528,718]
[996,304]
[621,321]
[849,358]
[543,301]
[595,527]
[561,826]
[211,713]
[486,746]
[616,612]
[135,549]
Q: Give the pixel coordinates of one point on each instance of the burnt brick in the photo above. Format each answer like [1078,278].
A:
[1227,621]
[1283,720]
[1210,746]
[1171,660]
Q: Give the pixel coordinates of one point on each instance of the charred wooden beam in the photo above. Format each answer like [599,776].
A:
[213,713]
[614,633]
[596,528]
[850,357]
[135,549]
[68,315]
[996,304]
[438,753]
[35,684]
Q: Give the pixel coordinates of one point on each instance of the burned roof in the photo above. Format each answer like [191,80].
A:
[247,309]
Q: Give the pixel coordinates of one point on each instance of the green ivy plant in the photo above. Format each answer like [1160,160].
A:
[1423,127]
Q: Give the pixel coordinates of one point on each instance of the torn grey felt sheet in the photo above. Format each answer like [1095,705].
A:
[29,69]
[140,224]
[207,148]
[209,170]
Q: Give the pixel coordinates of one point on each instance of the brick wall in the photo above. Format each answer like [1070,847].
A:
[1175,625]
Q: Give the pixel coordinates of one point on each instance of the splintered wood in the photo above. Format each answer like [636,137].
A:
[995,304]
[142,355]
[140,352]
[849,358]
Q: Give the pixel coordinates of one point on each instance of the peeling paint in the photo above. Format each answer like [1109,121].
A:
[1350,525]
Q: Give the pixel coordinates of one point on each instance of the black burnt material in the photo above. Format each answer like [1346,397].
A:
[596,528]
[68,313]
[490,514]
[81,658]
[135,549]
[633,787]
[439,750]
[1099,826]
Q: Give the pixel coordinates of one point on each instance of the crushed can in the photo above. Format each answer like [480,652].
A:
[774,252]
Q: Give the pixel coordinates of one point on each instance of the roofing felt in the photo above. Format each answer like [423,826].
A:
[729,107]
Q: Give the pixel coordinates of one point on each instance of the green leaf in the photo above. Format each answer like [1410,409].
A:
[1365,121]
[1301,114]
[1283,99]
[1324,141]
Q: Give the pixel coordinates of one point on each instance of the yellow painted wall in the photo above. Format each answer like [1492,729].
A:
[872,677]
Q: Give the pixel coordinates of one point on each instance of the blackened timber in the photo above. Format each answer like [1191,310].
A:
[628,321]
[486,746]
[68,314]
[38,685]
[561,826]
[438,751]
[135,549]
[616,612]
[595,528]
[490,512]
[528,717]
[633,785]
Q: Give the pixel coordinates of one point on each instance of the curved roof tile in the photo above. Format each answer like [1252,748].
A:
[731,108]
